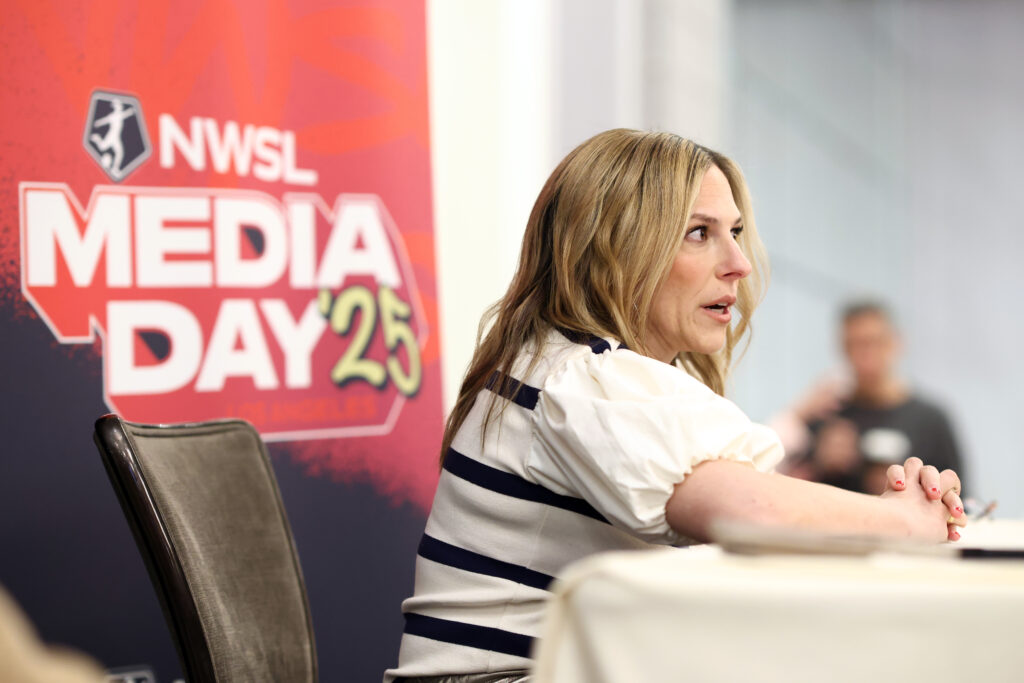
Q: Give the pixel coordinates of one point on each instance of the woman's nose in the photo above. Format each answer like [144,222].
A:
[734,265]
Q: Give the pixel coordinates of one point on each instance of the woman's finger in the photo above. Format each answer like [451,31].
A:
[897,477]
[930,482]
[912,468]
[956,508]
[949,481]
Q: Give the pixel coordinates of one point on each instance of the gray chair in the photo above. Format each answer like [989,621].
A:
[204,506]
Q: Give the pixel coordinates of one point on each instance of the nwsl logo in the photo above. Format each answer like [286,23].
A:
[300,315]
[115,134]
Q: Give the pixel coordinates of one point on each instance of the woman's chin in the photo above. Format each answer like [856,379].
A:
[710,342]
[709,346]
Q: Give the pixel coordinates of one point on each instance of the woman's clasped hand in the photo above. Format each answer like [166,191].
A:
[935,506]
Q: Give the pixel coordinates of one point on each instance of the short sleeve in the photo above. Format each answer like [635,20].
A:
[621,430]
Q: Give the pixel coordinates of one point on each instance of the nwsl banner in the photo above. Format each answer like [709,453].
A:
[233,212]
[216,209]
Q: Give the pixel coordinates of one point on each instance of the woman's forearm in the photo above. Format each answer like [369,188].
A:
[736,491]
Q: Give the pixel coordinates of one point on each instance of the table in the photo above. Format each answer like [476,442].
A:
[702,614]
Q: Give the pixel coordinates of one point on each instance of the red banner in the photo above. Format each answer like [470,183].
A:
[229,204]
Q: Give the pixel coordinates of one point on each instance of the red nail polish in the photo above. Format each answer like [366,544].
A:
[934,490]
[899,482]
[956,535]
[959,510]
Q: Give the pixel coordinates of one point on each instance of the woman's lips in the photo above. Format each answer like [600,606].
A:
[720,313]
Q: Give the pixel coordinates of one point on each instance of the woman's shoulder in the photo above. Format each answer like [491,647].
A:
[537,361]
[605,367]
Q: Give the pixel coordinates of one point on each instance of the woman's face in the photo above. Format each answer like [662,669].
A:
[691,308]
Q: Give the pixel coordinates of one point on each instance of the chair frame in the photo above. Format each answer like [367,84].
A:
[166,572]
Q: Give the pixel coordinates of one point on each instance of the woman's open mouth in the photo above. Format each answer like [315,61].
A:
[719,311]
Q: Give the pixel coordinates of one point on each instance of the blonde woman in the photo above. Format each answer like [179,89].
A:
[592,418]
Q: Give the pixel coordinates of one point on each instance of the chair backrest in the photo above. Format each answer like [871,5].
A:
[204,505]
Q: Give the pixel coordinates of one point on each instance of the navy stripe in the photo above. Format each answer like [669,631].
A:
[596,344]
[470,635]
[460,558]
[509,484]
[524,395]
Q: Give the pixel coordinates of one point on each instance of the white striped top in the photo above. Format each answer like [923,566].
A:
[583,459]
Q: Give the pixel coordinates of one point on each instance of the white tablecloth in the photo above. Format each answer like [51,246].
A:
[705,615]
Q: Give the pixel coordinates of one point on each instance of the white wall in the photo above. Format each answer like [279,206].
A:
[491,129]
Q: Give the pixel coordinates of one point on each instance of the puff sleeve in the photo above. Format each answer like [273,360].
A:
[621,430]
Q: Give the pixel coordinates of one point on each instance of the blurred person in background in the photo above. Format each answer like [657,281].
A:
[848,436]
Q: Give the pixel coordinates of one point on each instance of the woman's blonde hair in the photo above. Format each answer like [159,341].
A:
[601,238]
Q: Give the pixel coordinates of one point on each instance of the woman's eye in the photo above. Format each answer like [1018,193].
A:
[698,234]
[737,231]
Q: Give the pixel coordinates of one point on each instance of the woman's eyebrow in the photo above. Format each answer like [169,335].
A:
[704,218]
